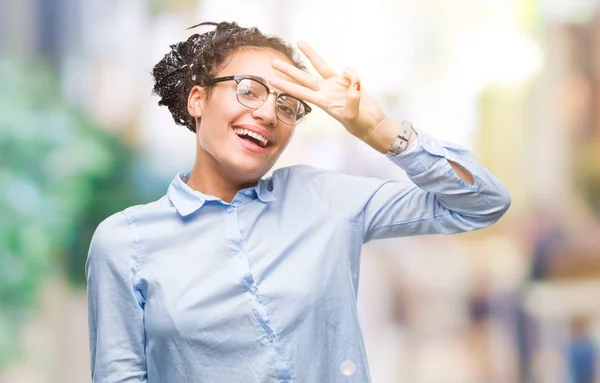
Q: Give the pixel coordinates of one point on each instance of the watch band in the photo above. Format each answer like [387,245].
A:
[401,142]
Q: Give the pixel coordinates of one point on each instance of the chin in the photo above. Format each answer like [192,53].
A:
[250,170]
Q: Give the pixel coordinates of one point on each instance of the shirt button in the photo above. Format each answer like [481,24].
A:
[239,255]
[271,338]
[347,367]
[230,209]
[253,290]
[248,192]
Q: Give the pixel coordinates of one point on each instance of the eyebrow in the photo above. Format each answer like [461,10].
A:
[256,78]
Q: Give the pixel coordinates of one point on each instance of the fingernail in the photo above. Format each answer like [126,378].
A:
[357,85]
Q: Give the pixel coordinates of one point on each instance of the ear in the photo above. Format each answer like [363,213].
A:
[196,100]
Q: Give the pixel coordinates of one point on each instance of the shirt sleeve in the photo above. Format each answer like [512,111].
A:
[435,201]
[115,305]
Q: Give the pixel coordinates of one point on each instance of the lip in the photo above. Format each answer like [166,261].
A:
[263,132]
[251,146]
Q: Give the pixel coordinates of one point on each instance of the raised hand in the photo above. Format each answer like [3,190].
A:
[340,95]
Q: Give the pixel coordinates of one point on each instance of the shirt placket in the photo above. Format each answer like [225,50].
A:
[260,317]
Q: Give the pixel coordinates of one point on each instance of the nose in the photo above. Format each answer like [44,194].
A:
[267,112]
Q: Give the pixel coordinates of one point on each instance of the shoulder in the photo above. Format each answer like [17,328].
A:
[304,174]
[112,235]
[326,181]
[137,212]
[112,251]
[298,177]
[118,228]
[341,193]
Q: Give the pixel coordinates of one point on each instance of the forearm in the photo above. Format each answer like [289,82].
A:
[384,134]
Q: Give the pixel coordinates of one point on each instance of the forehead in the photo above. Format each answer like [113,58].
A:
[255,62]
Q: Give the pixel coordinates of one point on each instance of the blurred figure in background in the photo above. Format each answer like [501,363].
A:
[581,353]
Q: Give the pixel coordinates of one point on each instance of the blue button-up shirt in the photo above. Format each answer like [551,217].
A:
[190,288]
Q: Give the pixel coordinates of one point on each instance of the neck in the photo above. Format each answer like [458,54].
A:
[207,178]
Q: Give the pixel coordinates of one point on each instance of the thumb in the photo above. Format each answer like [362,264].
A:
[351,109]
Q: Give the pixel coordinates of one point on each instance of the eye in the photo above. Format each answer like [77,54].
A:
[246,91]
[251,89]
[287,106]
[286,109]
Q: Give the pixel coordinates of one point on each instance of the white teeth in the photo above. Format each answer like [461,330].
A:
[247,132]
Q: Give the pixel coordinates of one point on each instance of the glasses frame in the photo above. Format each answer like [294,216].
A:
[239,78]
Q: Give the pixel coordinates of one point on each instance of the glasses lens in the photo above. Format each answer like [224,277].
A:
[289,109]
[251,94]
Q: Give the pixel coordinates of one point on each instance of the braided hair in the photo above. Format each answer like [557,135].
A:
[200,57]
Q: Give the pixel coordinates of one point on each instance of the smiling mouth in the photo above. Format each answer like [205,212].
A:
[253,137]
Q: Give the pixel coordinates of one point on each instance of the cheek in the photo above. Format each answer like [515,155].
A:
[216,120]
[228,113]
[287,135]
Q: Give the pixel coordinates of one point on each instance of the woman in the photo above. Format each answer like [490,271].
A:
[234,278]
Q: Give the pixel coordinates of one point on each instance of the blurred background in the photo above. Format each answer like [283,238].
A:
[515,81]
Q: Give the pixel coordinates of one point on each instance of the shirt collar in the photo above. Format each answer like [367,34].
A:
[265,190]
[187,200]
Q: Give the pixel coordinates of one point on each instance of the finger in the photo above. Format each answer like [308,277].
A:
[350,75]
[317,62]
[352,107]
[295,90]
[299,75]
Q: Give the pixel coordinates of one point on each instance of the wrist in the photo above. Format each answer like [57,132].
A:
[383,135]
[390,137]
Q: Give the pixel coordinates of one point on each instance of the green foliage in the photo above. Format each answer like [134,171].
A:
[60,176]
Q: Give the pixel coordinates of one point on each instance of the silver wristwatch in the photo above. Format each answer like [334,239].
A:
[402,137]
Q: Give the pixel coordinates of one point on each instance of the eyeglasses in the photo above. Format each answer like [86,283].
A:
[253,93]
